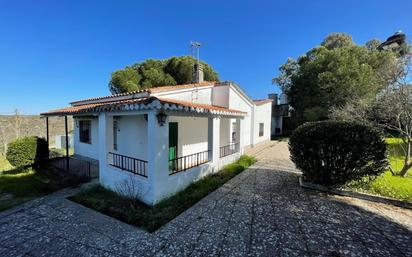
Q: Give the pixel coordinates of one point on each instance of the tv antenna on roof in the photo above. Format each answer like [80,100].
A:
[197,69]
[194,48]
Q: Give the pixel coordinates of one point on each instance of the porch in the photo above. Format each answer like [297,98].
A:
[150,148]
[154,154]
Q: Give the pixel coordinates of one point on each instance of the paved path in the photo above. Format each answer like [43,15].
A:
[261,212]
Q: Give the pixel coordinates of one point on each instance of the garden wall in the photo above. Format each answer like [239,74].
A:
[13,126]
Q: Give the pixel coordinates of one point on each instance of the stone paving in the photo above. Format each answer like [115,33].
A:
[261,212]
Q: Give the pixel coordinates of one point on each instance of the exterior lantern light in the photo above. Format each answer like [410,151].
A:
[161,118]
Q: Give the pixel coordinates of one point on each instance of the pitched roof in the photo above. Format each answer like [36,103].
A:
[149,90]
[262,101]
[185,86]
[90,107]
[144,104]
[202,106]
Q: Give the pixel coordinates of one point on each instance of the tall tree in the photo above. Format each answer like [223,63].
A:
[154,73]
[125,80]
[330,74]
[391,111]
[337,40]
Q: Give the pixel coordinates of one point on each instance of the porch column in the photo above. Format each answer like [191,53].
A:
[66,130]
[214,139]
[105,133]
[47,137]
[157,155]
[240,124]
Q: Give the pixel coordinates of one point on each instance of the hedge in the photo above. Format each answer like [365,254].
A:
[332,153]
[27,151]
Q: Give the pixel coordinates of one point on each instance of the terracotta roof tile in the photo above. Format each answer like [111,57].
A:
[186,86]
[130,103]
[150,90]
[197,105]
[109,96]
[89,107]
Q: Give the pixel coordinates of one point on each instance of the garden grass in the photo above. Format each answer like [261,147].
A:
[392,186]
[23,186]
[19,186]
[4,164]
[62,151]
[387,184]
[151,218]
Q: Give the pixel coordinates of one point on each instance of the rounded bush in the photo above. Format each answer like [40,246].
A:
[27,151]
[332,153]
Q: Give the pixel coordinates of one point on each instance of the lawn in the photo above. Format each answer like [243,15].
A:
[4,164]
[387,184]
[61,151]
[151,218]
[19,186]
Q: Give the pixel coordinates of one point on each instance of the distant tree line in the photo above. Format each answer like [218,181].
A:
[18,125]
[369,84]
[332,73]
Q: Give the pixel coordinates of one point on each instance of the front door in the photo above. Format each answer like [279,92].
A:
[173,133]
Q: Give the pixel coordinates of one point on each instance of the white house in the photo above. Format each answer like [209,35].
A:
[154,142]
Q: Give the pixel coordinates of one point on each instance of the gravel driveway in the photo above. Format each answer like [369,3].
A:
[261,212]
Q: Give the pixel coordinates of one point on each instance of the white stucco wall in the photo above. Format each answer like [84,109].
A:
[220,96]
[132,136]
[192,134]
[88,150]
[263,114]
[225,131]
[115,179]
[238,102]
[203,95]
[227,160]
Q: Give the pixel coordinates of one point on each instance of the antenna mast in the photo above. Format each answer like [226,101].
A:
[194,48]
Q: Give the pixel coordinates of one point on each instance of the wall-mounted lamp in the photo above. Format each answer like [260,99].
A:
[161,118]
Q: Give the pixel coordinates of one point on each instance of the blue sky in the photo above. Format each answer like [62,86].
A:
[54,52]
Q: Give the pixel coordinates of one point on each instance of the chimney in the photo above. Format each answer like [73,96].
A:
[198,73]
[274,97]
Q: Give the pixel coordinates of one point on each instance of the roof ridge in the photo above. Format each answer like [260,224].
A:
[150,90]
[201,105]
[127,105]
[262,101]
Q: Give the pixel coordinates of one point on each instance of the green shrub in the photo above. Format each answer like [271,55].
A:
[332,153]
[246,161]
[27,151]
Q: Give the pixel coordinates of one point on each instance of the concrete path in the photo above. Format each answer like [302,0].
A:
[261,212]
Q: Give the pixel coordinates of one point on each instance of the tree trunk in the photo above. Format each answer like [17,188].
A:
[408,164]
